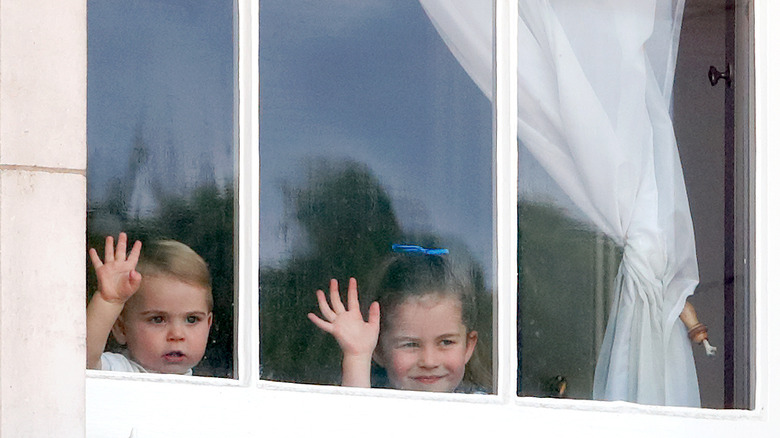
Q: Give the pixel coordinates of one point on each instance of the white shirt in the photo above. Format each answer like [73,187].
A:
[119,362]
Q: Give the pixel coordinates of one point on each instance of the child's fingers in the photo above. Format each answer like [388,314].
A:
[335,299]
[108,252]
[93,255]
[135,279]
[325,326]
[135,253]
[121,247]
[324,307]
[352,296]
[373,314]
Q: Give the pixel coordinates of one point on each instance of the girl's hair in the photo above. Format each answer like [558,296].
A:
[412,275]
[177,260]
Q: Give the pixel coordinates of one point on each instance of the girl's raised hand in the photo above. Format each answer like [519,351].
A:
[117,278]
[356,337]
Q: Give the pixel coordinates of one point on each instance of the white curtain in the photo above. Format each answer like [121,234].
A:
[594,91]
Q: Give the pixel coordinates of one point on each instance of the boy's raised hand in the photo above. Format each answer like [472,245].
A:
[356,337]
[117,278]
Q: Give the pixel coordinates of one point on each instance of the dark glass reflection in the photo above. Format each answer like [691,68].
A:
[566,271]
[370,134]
[160,138]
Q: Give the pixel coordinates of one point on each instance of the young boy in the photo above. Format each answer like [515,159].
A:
[157,304]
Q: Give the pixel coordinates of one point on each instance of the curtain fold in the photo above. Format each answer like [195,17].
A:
[594,92]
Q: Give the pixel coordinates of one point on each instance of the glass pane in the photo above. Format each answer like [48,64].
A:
[161,146]
[570,258]
[566,272]
[371,134]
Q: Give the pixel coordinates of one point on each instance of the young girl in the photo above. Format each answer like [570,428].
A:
[424,337]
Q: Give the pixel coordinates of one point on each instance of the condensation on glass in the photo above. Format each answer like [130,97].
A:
[161,129]
[567,266]
[371,134]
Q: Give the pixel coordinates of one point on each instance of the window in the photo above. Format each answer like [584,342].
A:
[569,251]
[161,139]
[250,404]
[371,134]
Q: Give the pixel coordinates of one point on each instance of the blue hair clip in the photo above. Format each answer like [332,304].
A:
[419,249]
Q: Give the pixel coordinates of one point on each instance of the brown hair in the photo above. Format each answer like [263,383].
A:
[404,276]
[177,260]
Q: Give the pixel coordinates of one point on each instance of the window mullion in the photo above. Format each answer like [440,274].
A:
[506,168]
[247,317]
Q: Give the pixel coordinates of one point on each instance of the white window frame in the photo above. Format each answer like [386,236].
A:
[157,405]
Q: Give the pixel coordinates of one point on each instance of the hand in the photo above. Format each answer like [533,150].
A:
[356,337]
[117,278]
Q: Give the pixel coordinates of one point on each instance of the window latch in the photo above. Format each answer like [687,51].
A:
[715,75]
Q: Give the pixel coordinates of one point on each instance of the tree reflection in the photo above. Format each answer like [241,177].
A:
[566,272]
[345,225]
[202,219]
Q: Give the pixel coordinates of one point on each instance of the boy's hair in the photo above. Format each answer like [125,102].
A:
[175,259]
[410,275]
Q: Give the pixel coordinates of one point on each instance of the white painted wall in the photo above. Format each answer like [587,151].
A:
[42,198]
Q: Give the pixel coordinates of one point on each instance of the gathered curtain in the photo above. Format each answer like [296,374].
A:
[594,99]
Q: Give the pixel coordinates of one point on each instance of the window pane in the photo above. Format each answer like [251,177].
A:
[570,257]
[371,134]
[161,139]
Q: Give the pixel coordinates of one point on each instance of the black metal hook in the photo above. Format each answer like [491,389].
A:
[716,75]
